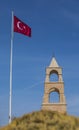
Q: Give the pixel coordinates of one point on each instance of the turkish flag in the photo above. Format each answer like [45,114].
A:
[21,27]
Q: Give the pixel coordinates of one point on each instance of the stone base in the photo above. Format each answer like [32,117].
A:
[59,107]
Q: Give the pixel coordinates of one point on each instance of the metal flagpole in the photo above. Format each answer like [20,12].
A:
[11,53]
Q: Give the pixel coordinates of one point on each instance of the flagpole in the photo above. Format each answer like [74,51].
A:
[11,56]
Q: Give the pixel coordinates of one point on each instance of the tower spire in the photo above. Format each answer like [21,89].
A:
[53,63]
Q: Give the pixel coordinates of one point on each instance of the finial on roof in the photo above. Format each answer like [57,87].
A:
[53,54]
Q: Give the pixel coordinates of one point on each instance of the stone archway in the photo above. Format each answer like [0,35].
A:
[53,76]
[54,96]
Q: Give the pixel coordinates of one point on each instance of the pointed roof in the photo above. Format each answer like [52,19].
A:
[53,63]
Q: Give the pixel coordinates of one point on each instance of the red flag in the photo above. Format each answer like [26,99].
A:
[21,27]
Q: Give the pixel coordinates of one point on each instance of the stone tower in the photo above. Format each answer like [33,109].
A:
[54,86]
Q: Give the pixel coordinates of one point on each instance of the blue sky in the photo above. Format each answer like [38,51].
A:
[55,29]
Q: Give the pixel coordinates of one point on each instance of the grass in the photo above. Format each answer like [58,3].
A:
[44,120]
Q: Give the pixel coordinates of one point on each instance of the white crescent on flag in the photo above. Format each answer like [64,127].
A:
[18,25]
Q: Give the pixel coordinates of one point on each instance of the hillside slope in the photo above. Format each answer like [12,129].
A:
[44,120]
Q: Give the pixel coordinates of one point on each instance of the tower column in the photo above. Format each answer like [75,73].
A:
[47,78]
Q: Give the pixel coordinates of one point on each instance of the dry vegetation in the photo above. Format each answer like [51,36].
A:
[44,120]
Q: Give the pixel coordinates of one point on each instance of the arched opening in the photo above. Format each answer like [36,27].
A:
[53,77]
[54,97]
